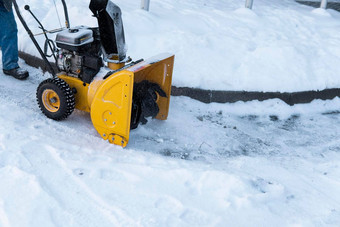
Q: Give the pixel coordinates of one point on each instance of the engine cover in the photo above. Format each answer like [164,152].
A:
[75,39]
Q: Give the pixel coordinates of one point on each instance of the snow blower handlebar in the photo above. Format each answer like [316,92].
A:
[48,42]
[23,22]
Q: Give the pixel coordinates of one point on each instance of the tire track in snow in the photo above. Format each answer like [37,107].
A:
[21,94]
[70,192]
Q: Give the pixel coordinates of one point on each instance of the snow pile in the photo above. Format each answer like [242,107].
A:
[220,45]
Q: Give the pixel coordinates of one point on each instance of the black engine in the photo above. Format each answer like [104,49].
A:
[80,52]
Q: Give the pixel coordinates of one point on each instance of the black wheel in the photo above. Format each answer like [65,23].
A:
[55,98]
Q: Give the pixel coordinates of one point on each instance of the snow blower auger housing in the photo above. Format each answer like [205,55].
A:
[118,100]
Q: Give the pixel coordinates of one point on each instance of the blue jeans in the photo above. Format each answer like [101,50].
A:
[8,39]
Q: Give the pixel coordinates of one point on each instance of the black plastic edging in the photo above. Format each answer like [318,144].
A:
[209,96]
[36,62]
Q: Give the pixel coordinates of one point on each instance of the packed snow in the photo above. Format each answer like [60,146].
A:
[241,164]
[280,45]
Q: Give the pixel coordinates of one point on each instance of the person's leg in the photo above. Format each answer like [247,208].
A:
[9,45]
[8,40]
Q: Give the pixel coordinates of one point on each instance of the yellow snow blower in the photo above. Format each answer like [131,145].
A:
[93,74]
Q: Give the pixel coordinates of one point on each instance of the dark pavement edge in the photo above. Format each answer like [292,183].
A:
[209,96]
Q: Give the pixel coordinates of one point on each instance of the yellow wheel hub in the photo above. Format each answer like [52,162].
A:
[51,100]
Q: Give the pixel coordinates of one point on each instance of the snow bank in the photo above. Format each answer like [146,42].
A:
[220,45]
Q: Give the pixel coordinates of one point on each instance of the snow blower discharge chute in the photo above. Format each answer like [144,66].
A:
[118,101]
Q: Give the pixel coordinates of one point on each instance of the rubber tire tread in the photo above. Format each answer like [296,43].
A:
[66,96]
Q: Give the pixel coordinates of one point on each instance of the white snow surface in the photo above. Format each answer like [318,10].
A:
[242,164]
[280,45]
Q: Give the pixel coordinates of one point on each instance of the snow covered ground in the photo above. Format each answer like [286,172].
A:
[242,164]
[279,46]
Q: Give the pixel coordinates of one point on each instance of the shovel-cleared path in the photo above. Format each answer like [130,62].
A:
[242,164]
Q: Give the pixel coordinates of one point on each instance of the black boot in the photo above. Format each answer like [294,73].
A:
[17,73]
